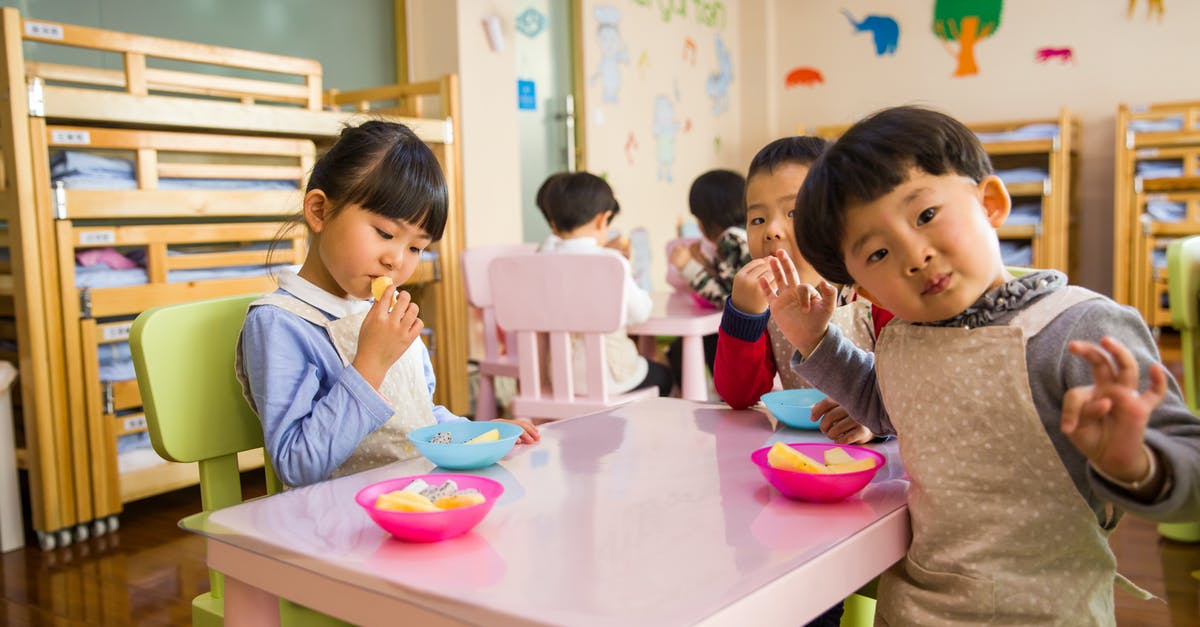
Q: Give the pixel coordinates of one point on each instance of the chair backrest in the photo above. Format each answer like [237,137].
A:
[184,359]
[475,263]
[559,295]
[674,278]
[1183,294]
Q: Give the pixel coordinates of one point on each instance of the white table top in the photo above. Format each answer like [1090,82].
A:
[651,513]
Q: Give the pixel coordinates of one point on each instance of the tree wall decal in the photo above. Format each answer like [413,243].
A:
[965,22]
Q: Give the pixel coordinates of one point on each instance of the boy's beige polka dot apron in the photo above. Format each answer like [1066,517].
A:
[1000,533]
[404,386]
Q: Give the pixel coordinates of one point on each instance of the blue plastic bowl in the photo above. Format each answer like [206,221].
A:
[794,407]
[457,456]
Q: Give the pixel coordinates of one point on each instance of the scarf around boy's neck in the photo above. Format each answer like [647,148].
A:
[1011,296]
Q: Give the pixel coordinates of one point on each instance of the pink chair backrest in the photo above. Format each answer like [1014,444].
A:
[560,295]
[475,263]
[674,279]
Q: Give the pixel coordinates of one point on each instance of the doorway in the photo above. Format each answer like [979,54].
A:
[544,45]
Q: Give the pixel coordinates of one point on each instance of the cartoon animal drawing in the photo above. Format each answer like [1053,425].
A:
[884,29]
[612,51]
[804,75]
[630,146]
[1154,8]
[718,82]
[689,50]
[1064,55]
[665,127]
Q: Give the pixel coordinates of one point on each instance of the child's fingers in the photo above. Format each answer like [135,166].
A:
[1158,386]
[827,291]
[789,268]
[1072,405]
[766,288]
[1103,371]
[821,407]
[777,272]
[1126,365]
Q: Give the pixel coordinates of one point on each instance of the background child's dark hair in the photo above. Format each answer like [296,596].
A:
[717,199]
[572,199]
[801,149]
[543,189]
[386,169]
[871,159]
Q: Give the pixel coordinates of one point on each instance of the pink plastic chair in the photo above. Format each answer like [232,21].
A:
[557,296]
[475,262]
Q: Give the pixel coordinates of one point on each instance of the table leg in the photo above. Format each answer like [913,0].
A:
[694,384]
[247,605]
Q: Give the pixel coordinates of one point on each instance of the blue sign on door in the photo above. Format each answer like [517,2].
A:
[526,95]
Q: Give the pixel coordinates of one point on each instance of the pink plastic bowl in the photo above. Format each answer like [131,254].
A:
[814,487]
[430,526]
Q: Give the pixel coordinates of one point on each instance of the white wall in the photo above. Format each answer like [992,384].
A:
[1117,60]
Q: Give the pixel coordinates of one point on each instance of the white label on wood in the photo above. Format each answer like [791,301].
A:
[1146,153]
[73,138]
[116,332]
[134,423]
[43,30]
[95,238]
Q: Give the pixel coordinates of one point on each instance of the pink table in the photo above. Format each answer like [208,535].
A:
[650,513]
[678,314]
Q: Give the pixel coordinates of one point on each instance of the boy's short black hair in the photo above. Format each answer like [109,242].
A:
[870,160]
[717,199]
[801,149]
[571,199]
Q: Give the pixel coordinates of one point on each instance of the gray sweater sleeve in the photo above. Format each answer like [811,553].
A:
[847,374]
[1173,432]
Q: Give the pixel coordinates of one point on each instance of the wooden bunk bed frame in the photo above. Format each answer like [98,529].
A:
[152,114]
[1136,236]
[1055,239]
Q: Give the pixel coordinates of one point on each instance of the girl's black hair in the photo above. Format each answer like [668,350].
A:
[717,199]
[386,169]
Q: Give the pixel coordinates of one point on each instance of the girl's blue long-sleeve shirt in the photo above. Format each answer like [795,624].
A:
[314,409]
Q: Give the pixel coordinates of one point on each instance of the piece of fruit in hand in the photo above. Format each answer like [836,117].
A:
[378,285]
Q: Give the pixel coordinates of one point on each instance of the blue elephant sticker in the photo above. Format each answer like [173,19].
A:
[884,29]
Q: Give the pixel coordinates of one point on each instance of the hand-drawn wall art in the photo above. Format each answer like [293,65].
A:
[1064,55]
[530,22]
[884,29]
[1154,8]
[803,75]
[630,146]
[707,12]
[689,50]
[665,127]
[643,62]
[612,51]
[966,22]
[718,82]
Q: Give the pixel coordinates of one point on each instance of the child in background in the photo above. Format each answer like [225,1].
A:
[718,200]
[1021,456]
[750,348]
[338,382]
[579,207]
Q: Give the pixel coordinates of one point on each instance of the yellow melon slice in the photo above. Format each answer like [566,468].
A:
[453,501]
[400,501]
[853,465]
[486,436]
[837,456]
[784,457]
[378,285]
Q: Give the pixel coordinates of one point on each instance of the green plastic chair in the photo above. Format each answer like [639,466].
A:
[184,358]
[1183,294]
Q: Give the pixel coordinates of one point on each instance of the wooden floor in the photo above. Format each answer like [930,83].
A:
[147,572]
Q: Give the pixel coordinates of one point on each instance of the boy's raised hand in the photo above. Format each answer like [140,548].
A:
[801,311]
[1107,420]
[387,331]
[746,295]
